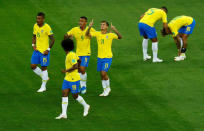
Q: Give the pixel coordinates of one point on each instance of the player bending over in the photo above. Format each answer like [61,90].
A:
[147,30]
[104,40]
[72,79]
[41,46]
[180,28]
[83,49]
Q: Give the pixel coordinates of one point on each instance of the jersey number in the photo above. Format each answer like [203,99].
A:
[150,12]
[73,87]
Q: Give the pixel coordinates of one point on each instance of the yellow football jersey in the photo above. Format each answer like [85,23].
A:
[42,36]
[71,59]
[152,15]
[178,22]
[82,41]
[104,43]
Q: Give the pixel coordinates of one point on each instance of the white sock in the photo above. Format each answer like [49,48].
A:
[107,83]
[104,84]
[44,78]
[83,80]
[181,41]
[154,49]
[145,46]
[38,71]
[64,105]
[81,100]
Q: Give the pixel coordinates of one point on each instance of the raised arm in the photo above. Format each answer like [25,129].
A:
[88,31]
[34,42]
[116,31]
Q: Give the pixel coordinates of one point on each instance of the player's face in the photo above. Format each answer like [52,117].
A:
[104,26]
[82,22]
[40,20]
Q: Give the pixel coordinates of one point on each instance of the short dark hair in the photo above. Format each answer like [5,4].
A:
[105,22]
[41,14]
[67,44]
[84,17]
[164,7]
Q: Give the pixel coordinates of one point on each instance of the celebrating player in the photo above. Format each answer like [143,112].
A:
[104,40]
[83,48]
[147,30]
[180,28]
[41,54]
[71,80]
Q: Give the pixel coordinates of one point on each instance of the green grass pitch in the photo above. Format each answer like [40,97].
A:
[167,96]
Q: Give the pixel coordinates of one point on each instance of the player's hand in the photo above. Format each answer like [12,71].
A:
[91,23]
[64,71]
[113,27]
[46,52]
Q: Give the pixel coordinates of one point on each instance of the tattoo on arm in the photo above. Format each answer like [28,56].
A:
[34,39]
[52,40]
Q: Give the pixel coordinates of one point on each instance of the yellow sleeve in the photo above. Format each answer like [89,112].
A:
[114,36]
[92,30]
[164,17]
[73,59]
[94,34]
[34,30]
[49,30]
[71,32]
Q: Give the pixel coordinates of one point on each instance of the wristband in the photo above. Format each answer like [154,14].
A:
[48,49]
[33,44]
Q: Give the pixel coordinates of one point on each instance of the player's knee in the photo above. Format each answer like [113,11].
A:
[44,68]
[75,96]
[154,40]
[82,70]
[104,75]
[64,94]
[33,67]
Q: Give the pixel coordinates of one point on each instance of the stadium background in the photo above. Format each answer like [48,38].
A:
[145,96]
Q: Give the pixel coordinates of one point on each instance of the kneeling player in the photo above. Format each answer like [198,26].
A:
[180,28]
[72,79]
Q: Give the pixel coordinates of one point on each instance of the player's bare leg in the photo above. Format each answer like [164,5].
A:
[105,84]
[155,50]
[182,56]
[145,48]
[82,102]
[45,78]
[65,94]
[83,76]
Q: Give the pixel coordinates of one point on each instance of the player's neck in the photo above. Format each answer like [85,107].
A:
[83,27]
[103,31]
[40,25]
[67,52]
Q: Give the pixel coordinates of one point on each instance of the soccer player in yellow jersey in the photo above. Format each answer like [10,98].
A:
[83,49]
[42,33]
[71,80]
[104,40]
[147,30]
[180,28]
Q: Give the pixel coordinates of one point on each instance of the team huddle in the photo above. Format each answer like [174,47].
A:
[76,64]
